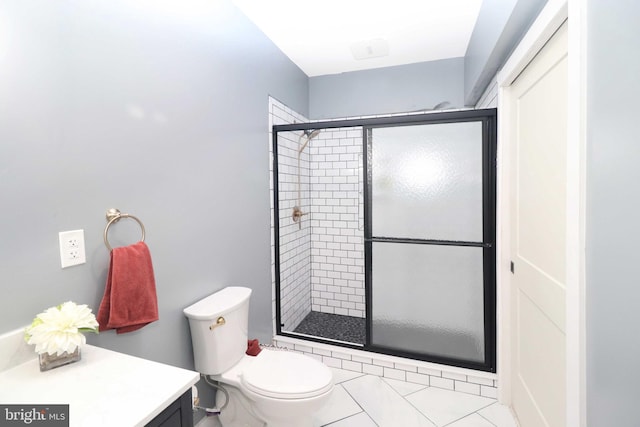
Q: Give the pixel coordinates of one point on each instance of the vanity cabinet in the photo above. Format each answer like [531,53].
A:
[178,414]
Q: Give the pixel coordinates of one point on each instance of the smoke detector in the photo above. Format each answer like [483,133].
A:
[367,49]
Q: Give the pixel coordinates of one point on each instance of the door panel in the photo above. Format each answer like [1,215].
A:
[541,379]
[538,100]
[547,293]
[542,173]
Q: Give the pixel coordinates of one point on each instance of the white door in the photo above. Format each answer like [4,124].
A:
[538,135]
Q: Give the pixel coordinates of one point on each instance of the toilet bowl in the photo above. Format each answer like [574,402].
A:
[281,388]
[275,388]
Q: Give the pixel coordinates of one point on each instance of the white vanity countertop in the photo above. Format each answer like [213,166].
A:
[104,388]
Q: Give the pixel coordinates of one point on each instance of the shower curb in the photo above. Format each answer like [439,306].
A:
[461,380]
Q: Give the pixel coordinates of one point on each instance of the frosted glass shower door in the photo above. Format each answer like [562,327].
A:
[427,222]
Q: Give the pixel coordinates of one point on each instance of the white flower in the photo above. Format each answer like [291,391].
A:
[59,329]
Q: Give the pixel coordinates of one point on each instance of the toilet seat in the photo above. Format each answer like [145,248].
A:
[286,375]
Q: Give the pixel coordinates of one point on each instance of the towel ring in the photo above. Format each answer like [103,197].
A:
[113,216]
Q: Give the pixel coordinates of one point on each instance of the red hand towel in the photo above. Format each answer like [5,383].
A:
[129,300]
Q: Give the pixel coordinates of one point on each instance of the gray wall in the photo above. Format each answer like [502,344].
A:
[387,90]
[613,203]
[500,27]
[153,109]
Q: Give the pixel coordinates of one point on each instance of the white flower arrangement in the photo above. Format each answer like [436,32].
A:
[60,329]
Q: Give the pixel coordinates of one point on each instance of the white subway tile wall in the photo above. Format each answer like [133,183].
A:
[322,257]
[295,242]
[337,222]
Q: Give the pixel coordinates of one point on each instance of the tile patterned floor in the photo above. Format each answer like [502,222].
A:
[361,400]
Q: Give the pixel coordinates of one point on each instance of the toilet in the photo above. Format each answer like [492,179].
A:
[273,389]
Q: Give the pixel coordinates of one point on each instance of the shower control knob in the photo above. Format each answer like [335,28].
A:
[297,215]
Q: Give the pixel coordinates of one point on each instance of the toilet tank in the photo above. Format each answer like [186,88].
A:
[217,347]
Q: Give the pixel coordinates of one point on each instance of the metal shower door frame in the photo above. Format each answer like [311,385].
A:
[489,133]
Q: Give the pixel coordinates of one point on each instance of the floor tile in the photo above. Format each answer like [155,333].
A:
[339,406]
[499,415]
[445,406]
[473,420]
[342,375]
[361,400]
[383,404]
[358,420]
[403,387]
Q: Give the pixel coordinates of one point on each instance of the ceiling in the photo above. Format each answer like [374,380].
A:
[326,36]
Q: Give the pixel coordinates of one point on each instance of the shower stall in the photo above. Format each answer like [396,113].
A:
[384,234]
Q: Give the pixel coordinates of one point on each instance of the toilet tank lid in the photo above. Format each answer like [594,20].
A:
[218,303]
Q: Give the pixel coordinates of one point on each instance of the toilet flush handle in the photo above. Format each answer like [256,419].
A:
[219,322]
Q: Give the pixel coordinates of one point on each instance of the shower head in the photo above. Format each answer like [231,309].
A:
[309,134]
[442,105]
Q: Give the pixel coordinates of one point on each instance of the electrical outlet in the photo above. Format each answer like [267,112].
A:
[71,248]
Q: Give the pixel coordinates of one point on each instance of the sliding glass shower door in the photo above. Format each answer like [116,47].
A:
[395,250]
[429,241]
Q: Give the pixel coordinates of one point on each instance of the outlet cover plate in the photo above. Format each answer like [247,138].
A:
[71,248]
